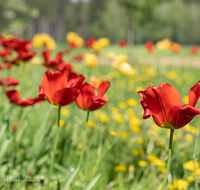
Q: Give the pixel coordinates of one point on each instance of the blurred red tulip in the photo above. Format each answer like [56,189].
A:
[4,52]
[78,57]
[55,62]
[9,81]
[58,90]
[23,56]
[90,42]
[194,49]
[14,98]
[72,45]
[87,100]
[149,46]
[122,43]
[164,104]
[16,43]
[5,66]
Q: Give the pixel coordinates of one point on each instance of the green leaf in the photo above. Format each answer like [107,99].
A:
[68,182]
[93,182]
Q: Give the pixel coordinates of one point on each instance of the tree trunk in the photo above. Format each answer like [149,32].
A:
[130,36]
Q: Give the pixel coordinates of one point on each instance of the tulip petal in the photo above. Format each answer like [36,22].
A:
[86,90]
[148,113]
[181,116]
[46,55]
[66,96]
[194,94]
[152,102]
[76,81]
[95,103]
[59,56]
[52,82]
[103,88]
[169,97]
[13,95]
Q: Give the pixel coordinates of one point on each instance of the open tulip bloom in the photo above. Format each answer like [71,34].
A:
[163,103]
[87,99]
[58,89]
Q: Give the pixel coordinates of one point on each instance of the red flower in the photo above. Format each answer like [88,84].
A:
[193,49]
[58,89]
[55,62]
[90,41]
[4,52]
[78,57]
[87,99]
[9,81]
[66,69]
[164,104]
[5,66]
[149,46]
[72,45]
[16,43]
[13,95]
[23,56]
[122,43]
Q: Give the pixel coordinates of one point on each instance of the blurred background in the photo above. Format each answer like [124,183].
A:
[116,19]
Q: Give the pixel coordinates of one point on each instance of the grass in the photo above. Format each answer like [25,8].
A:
[32,144]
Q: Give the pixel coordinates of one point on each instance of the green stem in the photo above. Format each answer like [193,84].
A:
[169,158]
[86,130]
[55,146]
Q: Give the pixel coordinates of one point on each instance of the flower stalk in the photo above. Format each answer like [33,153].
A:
[55,147]
[169,158]
[85,140]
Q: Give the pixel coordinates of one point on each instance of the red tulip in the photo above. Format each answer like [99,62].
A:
[14,98]
[72,45]
[5,66]
[90,41]
[164,104]
[23,56]
[87,99]
[122,43]
[4,52]
[16,43]
[55,62]
[78,57]
[58,90]
[9,81]
[149,46]
[194,49]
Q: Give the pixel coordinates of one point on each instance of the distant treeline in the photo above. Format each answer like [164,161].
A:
[178,20]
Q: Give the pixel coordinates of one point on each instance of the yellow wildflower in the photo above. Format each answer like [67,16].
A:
[91,123]
[180,184]
[142,163]
[123,135]
[90,60]
[61,122]
[122,105]
[120,168]
[132,102]
[191,165]
[113,133]
[138,152]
